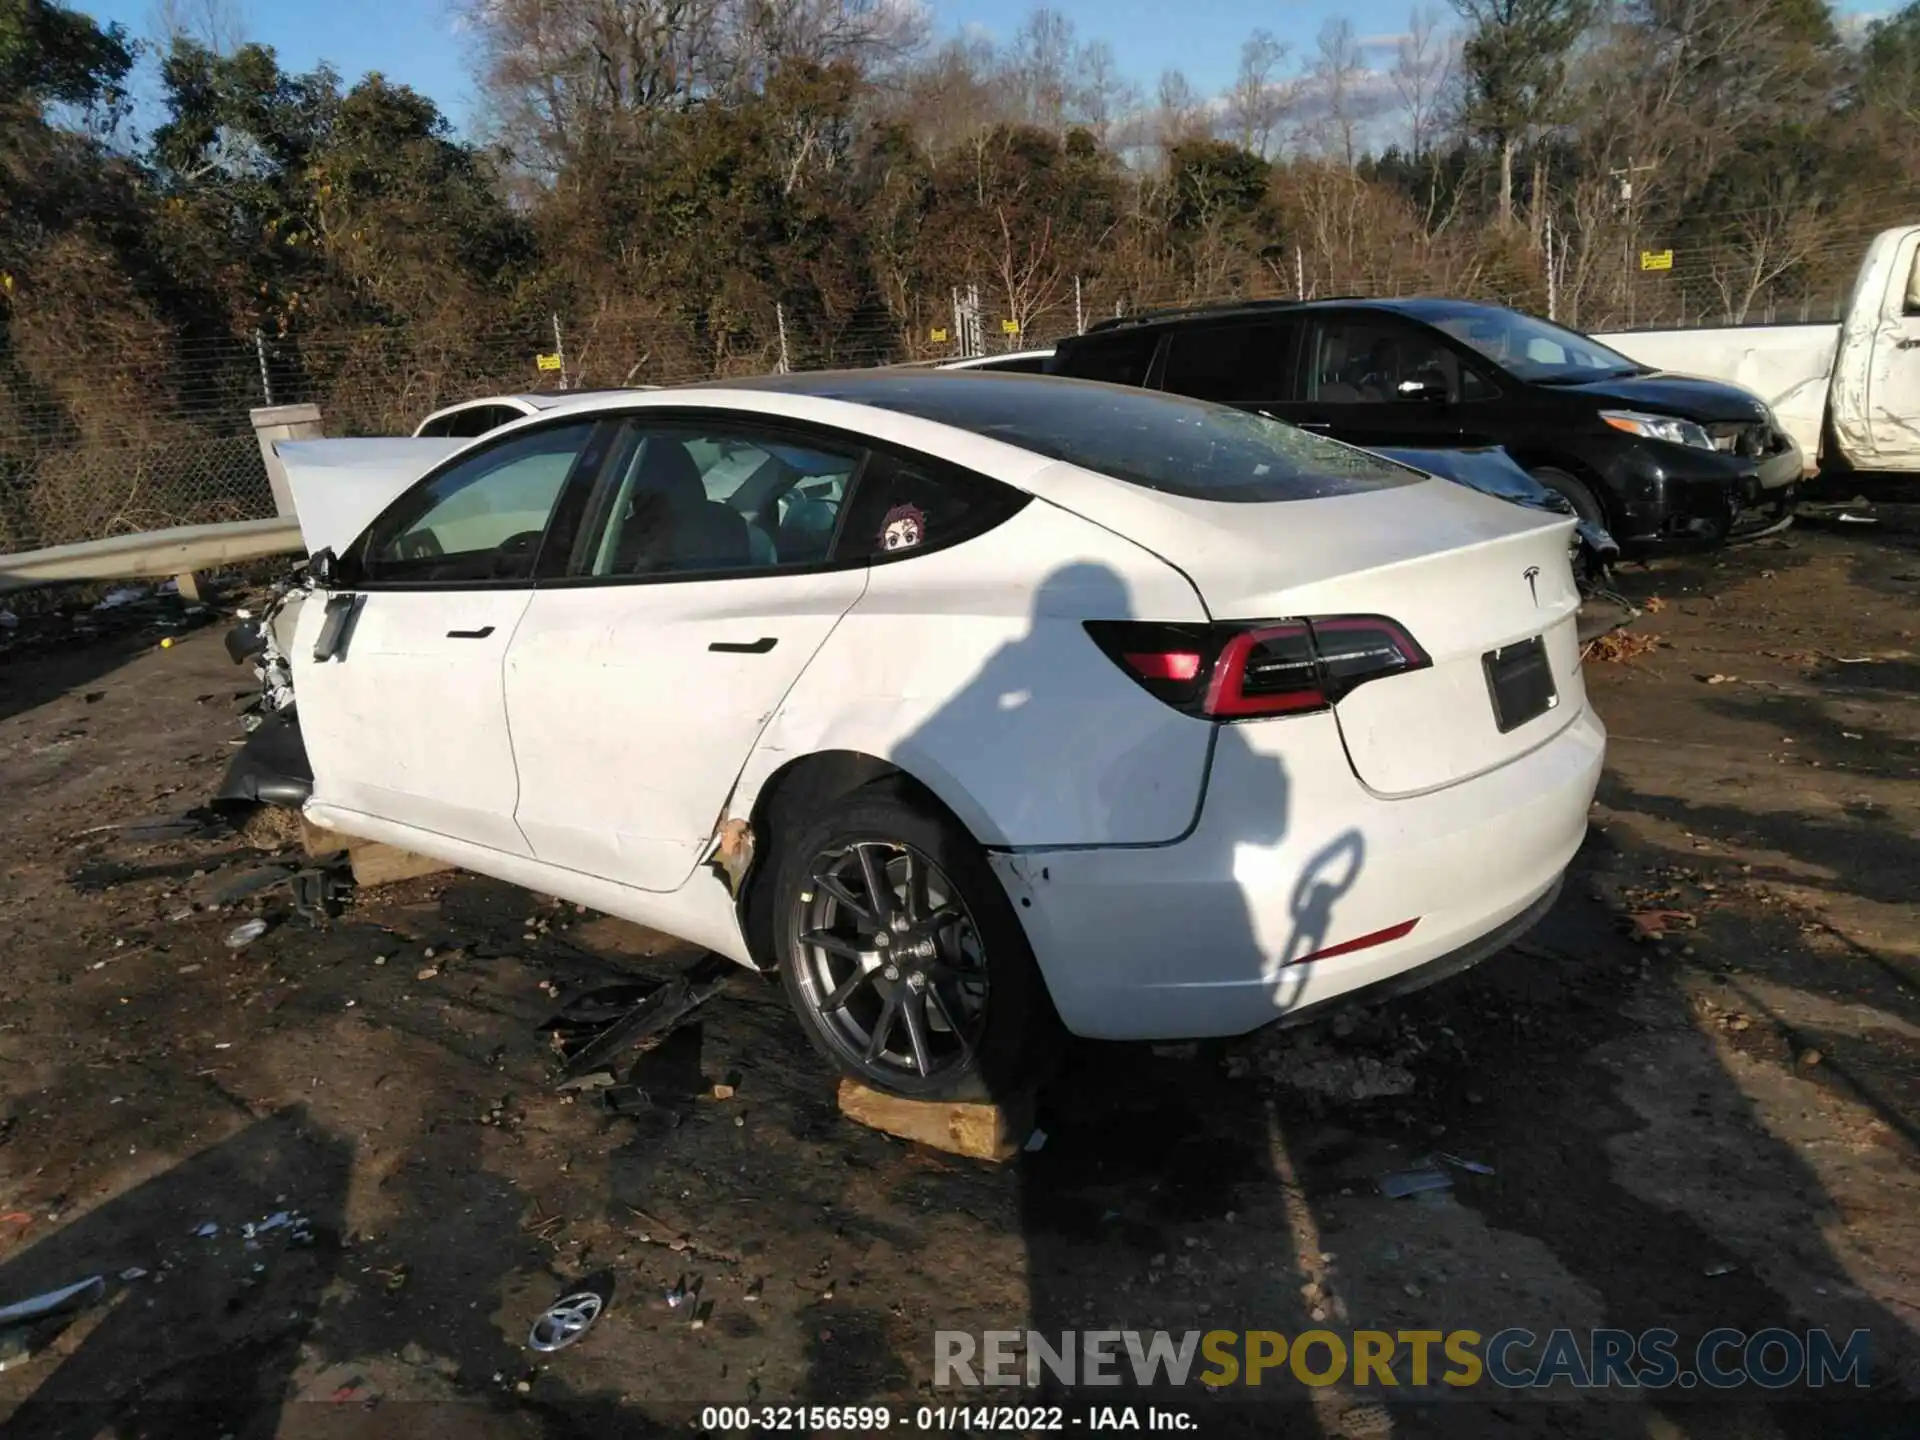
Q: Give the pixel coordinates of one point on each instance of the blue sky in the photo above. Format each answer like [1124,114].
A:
[420,43]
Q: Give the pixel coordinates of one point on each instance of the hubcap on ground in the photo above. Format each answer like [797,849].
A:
[890,961]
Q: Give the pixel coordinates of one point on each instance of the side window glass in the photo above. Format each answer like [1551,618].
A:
[1368,361]
[902,506]
[1912,306]
[1234,364]
[683,500]
[1121,359]
[480,520]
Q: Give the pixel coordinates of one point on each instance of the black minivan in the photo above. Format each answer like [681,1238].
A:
[1650,456]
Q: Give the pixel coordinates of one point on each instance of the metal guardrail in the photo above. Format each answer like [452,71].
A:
[154,554]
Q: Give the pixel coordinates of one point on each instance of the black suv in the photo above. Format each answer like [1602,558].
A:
[1649,456]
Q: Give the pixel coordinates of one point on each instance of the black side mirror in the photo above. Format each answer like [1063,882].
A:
[323,567]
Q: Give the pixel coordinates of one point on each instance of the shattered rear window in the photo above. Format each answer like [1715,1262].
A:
[1143,437]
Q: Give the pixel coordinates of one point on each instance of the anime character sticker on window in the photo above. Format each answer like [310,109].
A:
[904,527]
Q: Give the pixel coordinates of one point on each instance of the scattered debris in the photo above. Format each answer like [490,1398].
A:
[207,1231]
[1714,1272]
[1035,1142]
[1810,1058]
[132,1273]
[1460,1163]
[1654,924]
[1653,604]
[1618,646]
[565,1321]
[1716,679]
[723,1092]
[245,934]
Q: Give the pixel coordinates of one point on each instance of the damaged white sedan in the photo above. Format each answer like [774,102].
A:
[973,704]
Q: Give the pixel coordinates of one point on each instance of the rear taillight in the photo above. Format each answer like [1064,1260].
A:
[1278,667]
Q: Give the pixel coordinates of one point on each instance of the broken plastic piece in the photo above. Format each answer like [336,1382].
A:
[1403,1183]
[54,1302]
[655,1015]
[1460,1163]
[565,1321]
[245,934]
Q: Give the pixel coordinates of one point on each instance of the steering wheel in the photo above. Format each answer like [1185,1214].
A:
[421,545]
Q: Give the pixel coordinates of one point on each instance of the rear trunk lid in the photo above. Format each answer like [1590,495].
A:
[1469,577]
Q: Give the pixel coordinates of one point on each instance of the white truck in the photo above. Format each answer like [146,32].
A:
[1847,391]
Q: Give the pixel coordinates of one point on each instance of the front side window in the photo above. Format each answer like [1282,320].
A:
[480,520]
[687,499]
[1535,350]
[1241,363]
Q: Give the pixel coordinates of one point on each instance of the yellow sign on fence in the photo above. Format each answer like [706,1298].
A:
[938,337]
[1656,259]
[547,362]
[1010,327]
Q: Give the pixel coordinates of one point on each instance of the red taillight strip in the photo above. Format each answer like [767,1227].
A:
[1226,695]
[1347,947]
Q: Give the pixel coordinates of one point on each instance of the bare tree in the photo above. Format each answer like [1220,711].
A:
[1259,99]
[1422,68]
[1338,73]
[1040,65]
[219,25]
[1180,112]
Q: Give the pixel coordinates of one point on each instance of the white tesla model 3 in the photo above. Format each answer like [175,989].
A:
[972,703]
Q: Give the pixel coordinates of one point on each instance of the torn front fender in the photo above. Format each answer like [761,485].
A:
[272,767]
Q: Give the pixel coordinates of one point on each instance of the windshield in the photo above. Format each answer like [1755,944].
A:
[1534,349]
[1144,437]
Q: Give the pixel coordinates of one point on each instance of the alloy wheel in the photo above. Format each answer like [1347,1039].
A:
[890,963]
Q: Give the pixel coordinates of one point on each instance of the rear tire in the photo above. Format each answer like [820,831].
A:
[901,953]
[1579,494]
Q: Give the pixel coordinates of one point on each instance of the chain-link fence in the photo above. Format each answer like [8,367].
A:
[99,454]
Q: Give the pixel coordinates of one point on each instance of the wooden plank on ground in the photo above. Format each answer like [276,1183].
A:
[979,1130]
[374,863]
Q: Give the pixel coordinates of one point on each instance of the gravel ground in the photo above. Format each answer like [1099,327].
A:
[1697,1087]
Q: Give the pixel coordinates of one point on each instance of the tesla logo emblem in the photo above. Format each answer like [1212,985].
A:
[1532,576]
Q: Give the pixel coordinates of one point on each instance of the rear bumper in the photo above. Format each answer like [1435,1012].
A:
[1292,859]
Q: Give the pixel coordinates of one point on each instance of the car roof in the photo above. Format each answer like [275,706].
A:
[1419,307]
[530,402]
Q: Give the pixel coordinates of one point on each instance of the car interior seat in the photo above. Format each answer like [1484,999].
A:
[670,523]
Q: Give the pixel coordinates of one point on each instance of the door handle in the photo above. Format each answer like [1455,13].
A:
[480,634]
[745,647]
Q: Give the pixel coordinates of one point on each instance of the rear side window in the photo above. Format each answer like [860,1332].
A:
[902,506]
[1242,363]
[1121,358]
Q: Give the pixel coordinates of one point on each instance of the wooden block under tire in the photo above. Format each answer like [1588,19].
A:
[981,1130]
[373,863]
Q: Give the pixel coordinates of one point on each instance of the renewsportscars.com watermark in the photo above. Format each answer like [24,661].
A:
[1513,1359]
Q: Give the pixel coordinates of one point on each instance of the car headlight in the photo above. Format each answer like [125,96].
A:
[1658,427]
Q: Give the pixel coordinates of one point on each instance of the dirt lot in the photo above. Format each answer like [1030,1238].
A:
[1716,1127]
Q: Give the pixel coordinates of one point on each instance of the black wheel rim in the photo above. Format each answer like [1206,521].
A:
[890,963]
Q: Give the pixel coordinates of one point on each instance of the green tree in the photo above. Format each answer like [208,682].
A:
[1515,64]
